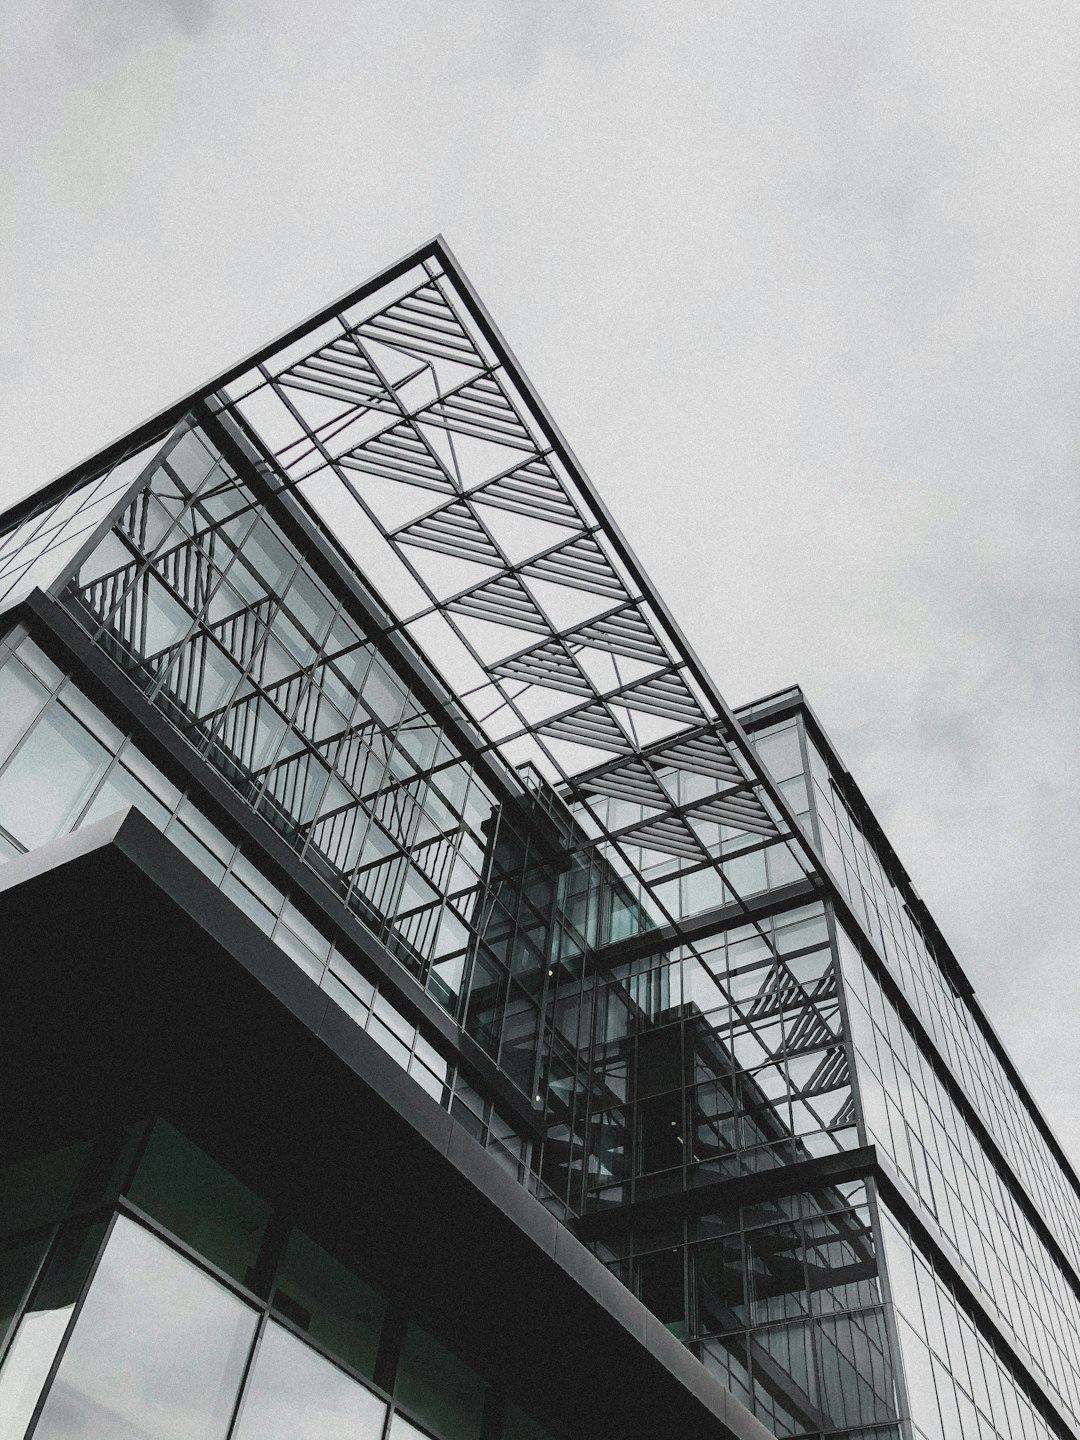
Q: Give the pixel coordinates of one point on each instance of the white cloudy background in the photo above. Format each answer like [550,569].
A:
[800,279]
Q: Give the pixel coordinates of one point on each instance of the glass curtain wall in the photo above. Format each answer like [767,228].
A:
[878,898]
[64,765]
[204,1314]
[911,1116]
[657,1073]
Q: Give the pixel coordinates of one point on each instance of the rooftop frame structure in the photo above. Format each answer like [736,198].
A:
[405,461]
[399,422]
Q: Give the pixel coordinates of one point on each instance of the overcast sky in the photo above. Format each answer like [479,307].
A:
[800,281]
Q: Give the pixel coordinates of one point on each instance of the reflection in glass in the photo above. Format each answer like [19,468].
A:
[200,1202]
[27,1365]
[49,778]
[36,1341]
[856,1369]
[400,1429]
[331,1304]
[785,1383]
[721,1285]
[438,1388]
[157,1352]
[21,697]
[295,1394]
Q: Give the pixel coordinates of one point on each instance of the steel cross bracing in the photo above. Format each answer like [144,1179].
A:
[401,419]
[509,582]
[408,429]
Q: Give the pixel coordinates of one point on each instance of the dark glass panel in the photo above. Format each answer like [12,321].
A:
[715,1119]
[36,1191]
[660,1288]
[785,1383]
[855,1362]
[18,1264]
[776,1274]
[438,1388]
[660,1138]
[727,1359]
[521,1029]
[611,1148]
[157,1353]
[40,1332]
[487,989]
[659,1060]
[841,1263]
[721,1285]
[200,1202]
[330,1302]
[293,1393]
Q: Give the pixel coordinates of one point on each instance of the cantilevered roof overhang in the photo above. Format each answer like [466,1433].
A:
[142,989]
[398,420]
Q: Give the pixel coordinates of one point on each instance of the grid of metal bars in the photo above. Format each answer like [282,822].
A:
[408,429]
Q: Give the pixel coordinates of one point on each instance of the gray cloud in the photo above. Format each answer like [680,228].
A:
[118,23]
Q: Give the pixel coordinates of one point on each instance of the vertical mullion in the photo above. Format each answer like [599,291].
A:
[61,1349]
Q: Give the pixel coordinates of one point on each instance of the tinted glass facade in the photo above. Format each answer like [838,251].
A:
[353,634]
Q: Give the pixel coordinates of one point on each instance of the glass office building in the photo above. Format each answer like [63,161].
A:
[428,1009]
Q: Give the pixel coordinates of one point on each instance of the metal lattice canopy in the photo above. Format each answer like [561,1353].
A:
[403,422]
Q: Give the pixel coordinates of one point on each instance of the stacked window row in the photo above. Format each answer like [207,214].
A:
[34,552]
[781,1300]
[208,607]
[779,748]
[879,902]
[215,615]
[199,1314]
[911,1116]
[959,1387]
[741,864]
[715,1060]
[64,765]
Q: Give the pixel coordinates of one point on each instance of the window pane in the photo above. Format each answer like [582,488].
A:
[438,1388]
[785,1387]
[200,1202]
[660,1286]
[36,1341]
[49,778]
[160,619]
[334,1306]
[21,697]
[157,1352]
[120,790]
[26,1365]
[296,1394]
[721,1294]
[780,752]
[17,1265]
